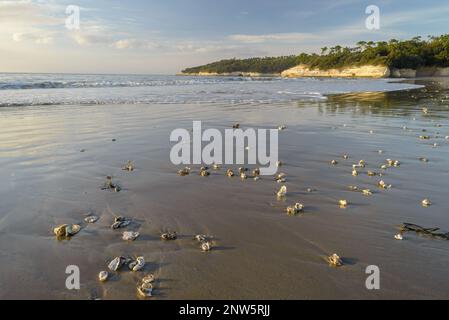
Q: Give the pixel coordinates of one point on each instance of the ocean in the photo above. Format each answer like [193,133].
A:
[22,89]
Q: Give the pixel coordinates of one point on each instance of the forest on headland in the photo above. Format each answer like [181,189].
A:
[410,54]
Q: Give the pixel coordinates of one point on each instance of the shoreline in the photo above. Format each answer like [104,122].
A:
[368,71]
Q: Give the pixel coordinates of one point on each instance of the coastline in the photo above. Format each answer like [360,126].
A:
[366,71]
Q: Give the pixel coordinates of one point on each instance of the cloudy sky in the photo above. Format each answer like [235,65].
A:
[164,36]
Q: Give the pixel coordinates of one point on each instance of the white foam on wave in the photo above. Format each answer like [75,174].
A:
[36,89]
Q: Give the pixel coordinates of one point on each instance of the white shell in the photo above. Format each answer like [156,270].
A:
[148,278]
[116,263]
[130,235]
[343,203]
[145,289]
[398,236]
[367,192]
[103,276]
[206,246]
[334,260]
[91,219]
[282,192]
[138,264]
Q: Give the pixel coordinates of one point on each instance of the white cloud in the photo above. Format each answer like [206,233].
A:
[22,13]
[282,37]
[33,37]
[135,44]
[91,38]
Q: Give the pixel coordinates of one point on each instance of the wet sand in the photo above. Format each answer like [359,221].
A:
[260,253]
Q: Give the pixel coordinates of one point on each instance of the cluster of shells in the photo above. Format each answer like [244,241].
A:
[145,286]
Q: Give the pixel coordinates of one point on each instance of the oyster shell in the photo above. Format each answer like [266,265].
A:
[145,289]
[204,173]
[381,184]
[398,236]
[334,260]
[229,173]
[59,231]
[297,208]
[116,263]
[148,278]
[426,203]
[334,162]
[282,192]
[129,166]
[66,230]
[72,229]
[242,170]
[256,172]
[169,235]
[206,246]
[200,237]
[109,185]
[137,264]
[91,219]
[367,192]
[343,203]
[183,172]
[280,177]
[103,276]
[130,235]
[282,127]
[120,222]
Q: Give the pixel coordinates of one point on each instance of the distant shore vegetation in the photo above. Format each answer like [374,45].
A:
[410,54]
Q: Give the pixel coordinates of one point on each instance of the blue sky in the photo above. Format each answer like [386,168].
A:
[138,36]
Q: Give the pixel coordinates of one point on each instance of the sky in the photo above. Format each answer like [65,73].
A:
[165,36]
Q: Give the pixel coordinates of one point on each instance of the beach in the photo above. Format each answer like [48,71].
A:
[55,158]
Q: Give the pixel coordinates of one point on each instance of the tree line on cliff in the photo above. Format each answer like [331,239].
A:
[412,53]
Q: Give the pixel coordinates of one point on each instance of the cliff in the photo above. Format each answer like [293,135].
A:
[367,71]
